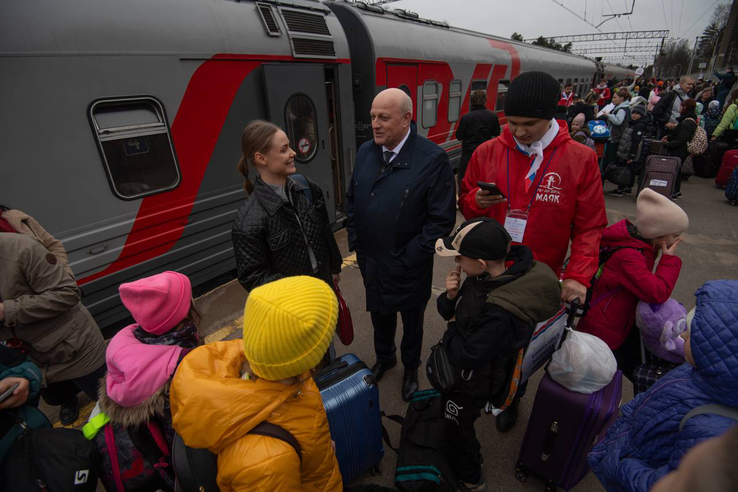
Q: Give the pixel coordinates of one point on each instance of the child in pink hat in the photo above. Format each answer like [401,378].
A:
[141,361]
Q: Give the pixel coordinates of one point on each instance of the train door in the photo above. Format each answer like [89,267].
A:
[296,99]
[404,77]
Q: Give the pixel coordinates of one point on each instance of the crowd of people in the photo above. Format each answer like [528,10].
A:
[535,236]
[669,110]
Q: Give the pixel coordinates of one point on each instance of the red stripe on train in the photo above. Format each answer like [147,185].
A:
[160,219]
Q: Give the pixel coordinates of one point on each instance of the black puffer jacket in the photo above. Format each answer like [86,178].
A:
[683,133]
[268,242]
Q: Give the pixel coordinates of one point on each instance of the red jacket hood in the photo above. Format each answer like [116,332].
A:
[617,235]
[507,139]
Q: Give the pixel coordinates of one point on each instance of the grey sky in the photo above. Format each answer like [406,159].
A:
[533,18]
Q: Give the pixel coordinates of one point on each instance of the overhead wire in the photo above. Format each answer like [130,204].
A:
[663,8]
[681,10]
[700,17]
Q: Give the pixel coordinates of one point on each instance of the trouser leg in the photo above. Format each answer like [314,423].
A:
[628,355]
[412,337]
[385,326]
[61,392]
[461,445]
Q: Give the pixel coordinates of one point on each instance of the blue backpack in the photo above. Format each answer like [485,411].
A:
[598,130]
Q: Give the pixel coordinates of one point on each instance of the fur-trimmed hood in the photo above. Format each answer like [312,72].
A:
[155,405]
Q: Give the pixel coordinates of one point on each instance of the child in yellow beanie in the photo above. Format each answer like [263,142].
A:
[223,390]
[629,252]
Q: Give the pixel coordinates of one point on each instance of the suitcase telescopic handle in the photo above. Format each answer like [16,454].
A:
[548,444]
[573,308]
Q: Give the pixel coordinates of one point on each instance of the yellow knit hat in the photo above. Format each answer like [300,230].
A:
[288,325]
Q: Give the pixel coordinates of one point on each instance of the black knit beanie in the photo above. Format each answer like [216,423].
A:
[532,95]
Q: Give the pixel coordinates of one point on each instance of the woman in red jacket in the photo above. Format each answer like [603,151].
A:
[627,275]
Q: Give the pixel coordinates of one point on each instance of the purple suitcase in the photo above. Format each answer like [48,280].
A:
[563,428]
[660,174]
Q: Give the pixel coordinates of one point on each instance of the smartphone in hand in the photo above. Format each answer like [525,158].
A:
[491,187]
[7,394]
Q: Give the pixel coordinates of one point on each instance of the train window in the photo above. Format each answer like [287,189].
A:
[430,103]
[302,127]
[454,100]
[134,142]
[501,94]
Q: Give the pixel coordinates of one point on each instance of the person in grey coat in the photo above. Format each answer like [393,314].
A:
[400,199]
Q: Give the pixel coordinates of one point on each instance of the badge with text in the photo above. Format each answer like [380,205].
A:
[515,224]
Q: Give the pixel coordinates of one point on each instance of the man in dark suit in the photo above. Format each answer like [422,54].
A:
[399,201]
[476,127]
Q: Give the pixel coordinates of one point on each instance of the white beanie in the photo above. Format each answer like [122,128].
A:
[658,216]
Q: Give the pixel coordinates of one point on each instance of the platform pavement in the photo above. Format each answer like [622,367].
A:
[709,251]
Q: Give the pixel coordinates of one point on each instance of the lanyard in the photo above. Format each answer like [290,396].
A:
[540,180]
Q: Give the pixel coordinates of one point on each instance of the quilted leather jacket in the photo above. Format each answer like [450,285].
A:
[268,241]
[645,443]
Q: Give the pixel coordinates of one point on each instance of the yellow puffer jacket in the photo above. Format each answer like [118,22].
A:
[213,408]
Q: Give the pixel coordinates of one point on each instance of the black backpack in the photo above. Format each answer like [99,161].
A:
[56,460]
[197,469]
[421,463]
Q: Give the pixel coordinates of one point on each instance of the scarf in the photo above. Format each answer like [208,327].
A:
[186,338]
[536,149]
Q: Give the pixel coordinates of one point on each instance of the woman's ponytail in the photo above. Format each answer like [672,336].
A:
[256,138]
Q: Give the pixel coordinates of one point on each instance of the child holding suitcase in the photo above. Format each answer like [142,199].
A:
[626,277]
[491,317]
[651,436]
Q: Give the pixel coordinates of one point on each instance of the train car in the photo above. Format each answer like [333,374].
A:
[617,72]
[439,66]
[122,121]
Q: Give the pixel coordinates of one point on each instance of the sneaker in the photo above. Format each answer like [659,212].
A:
[678,195]
[615,193]
[69,412]
[472,487]
[628,191]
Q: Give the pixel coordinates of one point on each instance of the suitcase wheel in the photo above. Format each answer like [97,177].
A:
[550,487]
[520,473]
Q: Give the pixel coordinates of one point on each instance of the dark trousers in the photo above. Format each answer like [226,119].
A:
[385,327]
[56,394]
[628,355]
[460,439]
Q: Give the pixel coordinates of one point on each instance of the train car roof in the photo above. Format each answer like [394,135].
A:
[187,28]
[401,34]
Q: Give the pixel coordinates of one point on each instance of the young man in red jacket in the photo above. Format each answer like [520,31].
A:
[551,185]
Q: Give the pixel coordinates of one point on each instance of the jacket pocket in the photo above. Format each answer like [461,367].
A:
[59,345]
[281,239]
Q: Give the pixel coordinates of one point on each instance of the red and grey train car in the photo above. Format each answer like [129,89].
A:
[121,120]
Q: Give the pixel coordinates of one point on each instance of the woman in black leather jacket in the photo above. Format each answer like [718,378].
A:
[282,229]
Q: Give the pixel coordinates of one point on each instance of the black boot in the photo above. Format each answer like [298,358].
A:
[69,412]
[506,420]
[379,368]
[409,383]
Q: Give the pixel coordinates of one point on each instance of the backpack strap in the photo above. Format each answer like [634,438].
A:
[714,409]
[303,181]
[150,442]
[113,454]
[272,430]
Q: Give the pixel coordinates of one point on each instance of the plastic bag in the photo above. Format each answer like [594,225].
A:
[584,363]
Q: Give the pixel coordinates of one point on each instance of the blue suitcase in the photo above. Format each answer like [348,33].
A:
[351,399]
[731,190]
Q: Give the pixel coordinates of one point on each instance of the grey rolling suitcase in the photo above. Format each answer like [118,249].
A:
[660,174]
